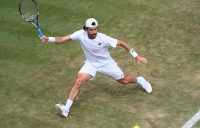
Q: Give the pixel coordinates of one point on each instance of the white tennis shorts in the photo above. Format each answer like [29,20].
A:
[111,69]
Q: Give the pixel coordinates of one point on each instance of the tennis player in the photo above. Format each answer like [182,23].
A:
[95,47]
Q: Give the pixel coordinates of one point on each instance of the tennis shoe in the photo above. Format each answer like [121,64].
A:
[62,110]
[144,84]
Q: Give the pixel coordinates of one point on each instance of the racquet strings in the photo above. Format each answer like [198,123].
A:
[28,9]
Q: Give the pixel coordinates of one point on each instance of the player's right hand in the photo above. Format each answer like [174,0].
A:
[44,38]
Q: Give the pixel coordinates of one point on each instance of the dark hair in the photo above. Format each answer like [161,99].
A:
[85,28]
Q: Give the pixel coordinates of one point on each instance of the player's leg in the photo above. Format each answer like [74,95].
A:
[86,73]
[140,80]
[127,79]
[80,80]
[113,71]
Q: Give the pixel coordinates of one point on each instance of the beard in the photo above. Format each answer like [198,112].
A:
[92,36]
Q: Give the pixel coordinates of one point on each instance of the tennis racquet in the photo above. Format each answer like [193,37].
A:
[30,13]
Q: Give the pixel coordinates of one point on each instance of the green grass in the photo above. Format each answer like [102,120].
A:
[35,76]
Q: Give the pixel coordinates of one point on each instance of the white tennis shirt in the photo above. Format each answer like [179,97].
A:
[95,50]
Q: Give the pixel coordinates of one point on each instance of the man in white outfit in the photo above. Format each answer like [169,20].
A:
[95,47]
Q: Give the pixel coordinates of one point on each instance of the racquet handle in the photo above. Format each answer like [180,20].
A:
[40,32]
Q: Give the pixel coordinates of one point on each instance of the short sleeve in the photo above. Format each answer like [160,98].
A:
[76,35]
[110,41]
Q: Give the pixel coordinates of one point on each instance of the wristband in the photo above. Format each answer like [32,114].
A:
[51,39]
[133,52]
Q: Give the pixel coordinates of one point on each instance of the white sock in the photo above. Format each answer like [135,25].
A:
[138,80]
[69,104]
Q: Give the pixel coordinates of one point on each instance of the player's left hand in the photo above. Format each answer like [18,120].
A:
[141,59]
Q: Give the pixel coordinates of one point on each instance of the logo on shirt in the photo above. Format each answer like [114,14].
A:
[99,44]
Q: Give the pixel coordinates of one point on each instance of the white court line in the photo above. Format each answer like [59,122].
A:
[192,120]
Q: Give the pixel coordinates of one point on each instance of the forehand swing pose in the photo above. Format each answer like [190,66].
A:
[95,47]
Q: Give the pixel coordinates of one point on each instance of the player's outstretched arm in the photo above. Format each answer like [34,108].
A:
[57,40]
[131,50]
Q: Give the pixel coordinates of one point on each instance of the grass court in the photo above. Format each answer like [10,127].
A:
[35,76]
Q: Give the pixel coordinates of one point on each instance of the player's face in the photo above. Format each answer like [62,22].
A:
[92,32]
